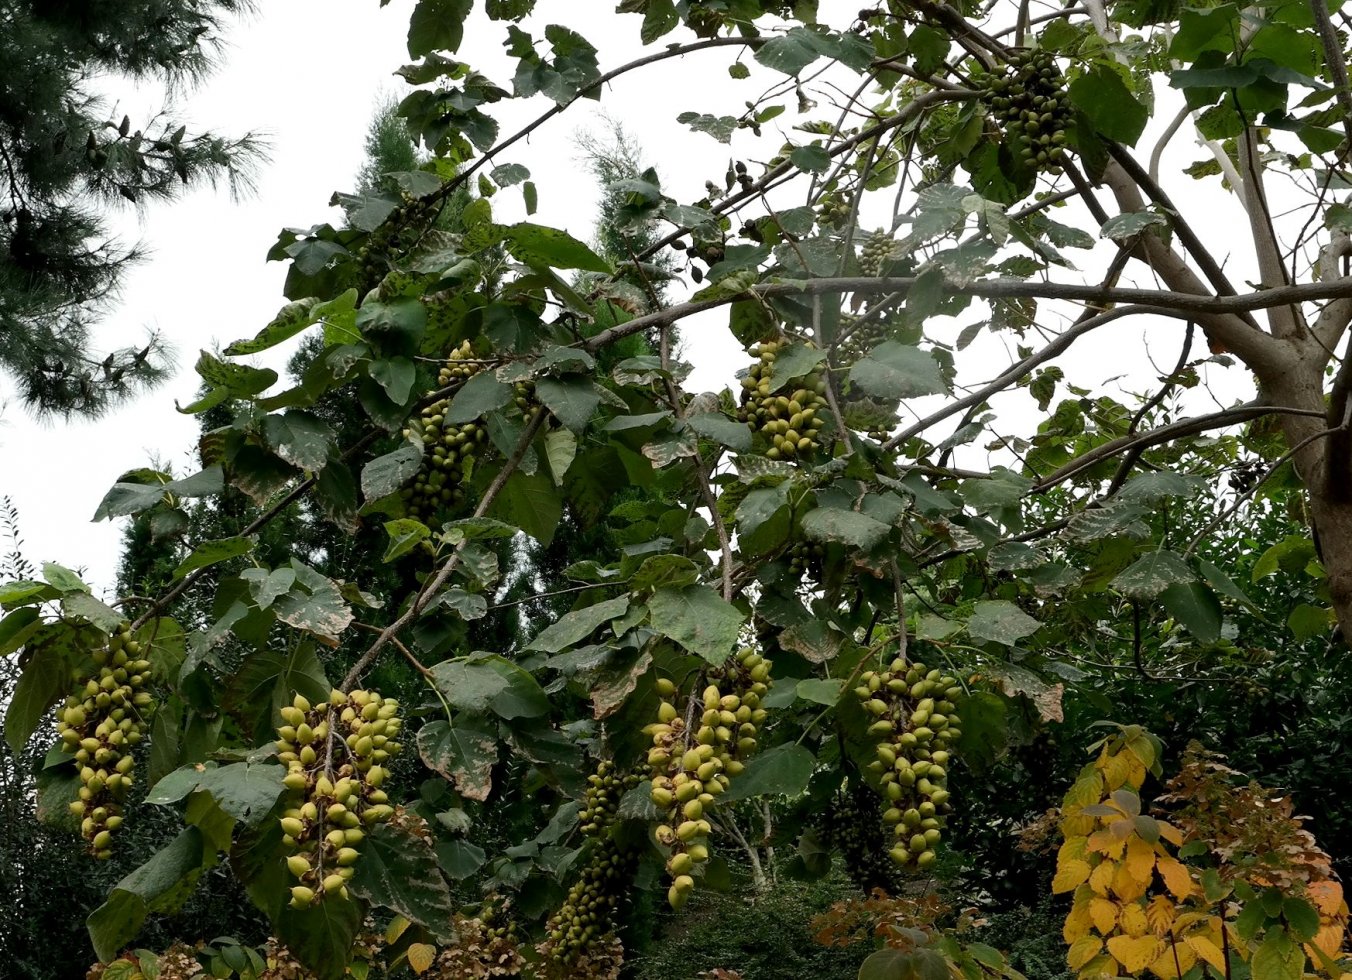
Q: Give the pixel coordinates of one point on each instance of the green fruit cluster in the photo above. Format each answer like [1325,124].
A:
[692,765]
[874,253]
[587,918]
[1031,103]
[850,826]
[790,422]
[915,721]
[334,752]
[486,946]
[394,238]
[586,921]
[451,450]
[98,724]
[805,558]
[604,788]
[858,336]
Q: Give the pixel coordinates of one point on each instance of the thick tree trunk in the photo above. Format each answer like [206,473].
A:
[1323,465]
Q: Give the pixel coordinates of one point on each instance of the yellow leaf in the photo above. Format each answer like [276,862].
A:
[1069,875]
[1329,938]
[1116,771]
[1072,848]
[1078,919]
[1170,833]
[1104,914]
[1107,842]
[1209,951]
[1176,960]
[1101,878]
[1087,789]
[395,929]
[1176,877]
[1075,825]
[1135,953]
[1098,968]
[420,956]
[1143,749]
[1140,861]
[1083,950]
[1327,897]
[1160,914]
[1133,920]
[1127,886]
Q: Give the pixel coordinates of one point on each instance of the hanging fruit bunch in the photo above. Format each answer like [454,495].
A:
[915,722]
[693,765]
[1030,101]
[98,724]
[791,420]
[585,924]
[486,946]
[451,450]
[874,253]
[335,791]
[850,825]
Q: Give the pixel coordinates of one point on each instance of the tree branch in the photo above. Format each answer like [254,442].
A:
[1166,433]
[434,584]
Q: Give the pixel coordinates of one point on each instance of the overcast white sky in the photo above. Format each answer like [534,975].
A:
[309,73]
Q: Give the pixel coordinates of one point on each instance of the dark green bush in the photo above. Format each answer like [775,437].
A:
[769,938]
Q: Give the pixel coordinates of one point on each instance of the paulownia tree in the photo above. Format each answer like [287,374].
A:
[814,591]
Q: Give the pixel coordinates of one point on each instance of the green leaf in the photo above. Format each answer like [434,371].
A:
[464,754]
[1301,916]
[161,884]
[212,552]
[437,25]
[811,158]
[23,591]
[894,371]
[269,679]
[1196,607]
[531,503]
[792,362]
[572,401]
[302,439]
[480,395]
[764,519]
[522,697]
[889,964]
[1000,621]
[1150,488]
[1151,574]
[539,245]
[81,605]
[781,771]
[720,128]
[789,53]
[405,535]
[468,685]
[848,527]
[396,375]
[1279,958]
[386,474]
[663,570]
[314,604]
[820,691]
[62,579]
[245,790]
[698,619]
[577,625]
[45,678]
[1306,621]
[721,429]
[984,729]
[291,320]
[17,627]
[1129,225]
[1109,105]
[560,451]
[397,871]
[322,936]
